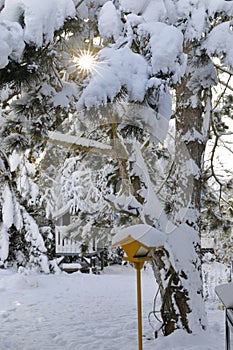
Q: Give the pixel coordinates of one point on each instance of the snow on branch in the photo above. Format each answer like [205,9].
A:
[166,45]
[67,140]
[32,22]
[11,42]
[117,68]
[220,42]
[109,23]
[40,18]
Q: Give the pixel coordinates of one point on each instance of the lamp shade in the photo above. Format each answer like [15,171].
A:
[138,240]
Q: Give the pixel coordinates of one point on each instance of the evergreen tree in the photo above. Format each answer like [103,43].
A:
[145,50]
[34,99]
[175,43]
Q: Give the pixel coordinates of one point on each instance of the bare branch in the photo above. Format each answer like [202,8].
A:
[79,3]
[223,69]
[226,84]
[227,147]
[212,161]
[167,177]
[222,94]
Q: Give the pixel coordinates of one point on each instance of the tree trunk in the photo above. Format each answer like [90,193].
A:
[178,268]
[189,132]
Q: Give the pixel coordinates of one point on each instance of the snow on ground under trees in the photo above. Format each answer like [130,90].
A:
[89,312]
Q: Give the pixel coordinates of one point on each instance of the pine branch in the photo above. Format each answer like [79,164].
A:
[6,102]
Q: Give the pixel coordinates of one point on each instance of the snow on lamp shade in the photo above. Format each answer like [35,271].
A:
[225,294]
[138,240]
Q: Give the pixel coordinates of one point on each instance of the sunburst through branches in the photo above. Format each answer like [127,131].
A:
[85,61]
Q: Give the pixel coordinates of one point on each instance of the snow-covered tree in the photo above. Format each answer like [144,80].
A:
[152,47]
[145,50]
[217,175]
[33,100]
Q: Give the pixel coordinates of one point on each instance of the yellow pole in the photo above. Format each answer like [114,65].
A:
[138,268]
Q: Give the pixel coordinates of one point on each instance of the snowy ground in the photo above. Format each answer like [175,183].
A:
[88,312]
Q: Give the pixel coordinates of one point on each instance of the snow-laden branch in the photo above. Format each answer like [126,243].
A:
[117,68]
[40,21]
[220,42]
[11,42]
[67,140]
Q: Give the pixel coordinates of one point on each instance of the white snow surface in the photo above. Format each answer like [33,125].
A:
[14,160]
[41,18]
[98,312]
[8,207]
[109,22]
[134,6]
[11,42]
[155,10]
[4,242]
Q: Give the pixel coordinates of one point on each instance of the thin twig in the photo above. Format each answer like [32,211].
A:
[79,3]
[226,84]
[223,69]
[212,161]
[221,95]
[167,177]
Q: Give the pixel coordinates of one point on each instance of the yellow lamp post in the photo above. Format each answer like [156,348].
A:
[137,242]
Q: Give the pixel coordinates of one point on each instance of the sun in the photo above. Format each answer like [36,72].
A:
[85,61]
